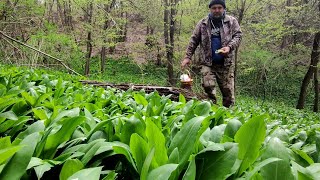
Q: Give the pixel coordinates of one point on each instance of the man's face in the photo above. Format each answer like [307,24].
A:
[217,10]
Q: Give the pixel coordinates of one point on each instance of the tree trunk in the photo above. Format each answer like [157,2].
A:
[89,38]
[166,36]
[171,47]
[312,69]
[316,91]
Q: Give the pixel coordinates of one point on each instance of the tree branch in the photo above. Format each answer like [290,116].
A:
[48,55]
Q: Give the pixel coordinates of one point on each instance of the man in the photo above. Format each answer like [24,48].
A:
[218,35]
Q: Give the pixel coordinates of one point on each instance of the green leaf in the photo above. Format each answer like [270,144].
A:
[62,135]
[303,155]
[232,127]
[35,127]
[124,149]
[70,167]
[9,115]
[212,164]
[111,176]
[190,174]
[279,169]
[162,172]
[157,140]
[86,174]
[139,149]
[250,138]
[5,103]
[6,153]
[185,139]
[146,165]
[6,149]
[132,125]
[203,109]
[174,156]
[40,113]
[17,165]
[140,99]
[182,99]
[260,165]
[40,170]
[30,99]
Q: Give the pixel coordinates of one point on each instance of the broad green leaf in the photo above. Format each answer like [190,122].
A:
[10,115]
[182,99]
[140,99]
[139,149]
[203,109]
[34,162]
[162,172]
[314,169]
[157,140]
[111,176]
[300,172]
[190,174]
[40,170]
[277,170]
[216,133]
[35,127]
[218,164]
[20,108]
[86,174]
[6,149]
[40,113]
[17,165]
[5,142]
[304,155]
[97,148]
[62,135]
[124,150]
[5,103]
[260,165]
[232,127]
[68,113]
[30,99]
[6,153]
[250,138]
[174,157]
[132,125]
[185,139]
[146,165]
[70,167]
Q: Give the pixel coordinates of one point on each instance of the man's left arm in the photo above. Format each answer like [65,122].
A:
[236,36]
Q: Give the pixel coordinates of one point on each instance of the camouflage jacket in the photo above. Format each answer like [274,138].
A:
[230,36]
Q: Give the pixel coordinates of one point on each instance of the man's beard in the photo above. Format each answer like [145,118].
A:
[217,17]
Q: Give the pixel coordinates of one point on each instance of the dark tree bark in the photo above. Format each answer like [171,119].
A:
[166,36]
[311,71]
[316,92]
[88,16]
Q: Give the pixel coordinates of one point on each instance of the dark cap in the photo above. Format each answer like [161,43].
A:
[214,2]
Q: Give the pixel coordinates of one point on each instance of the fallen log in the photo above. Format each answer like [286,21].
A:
[173,91]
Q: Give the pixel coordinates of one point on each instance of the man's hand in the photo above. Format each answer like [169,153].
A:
[225,50]
[185,63]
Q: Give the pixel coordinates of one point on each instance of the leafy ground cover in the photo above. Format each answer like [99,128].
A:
[53,127]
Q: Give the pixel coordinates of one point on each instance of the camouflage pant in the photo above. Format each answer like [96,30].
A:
[224,76]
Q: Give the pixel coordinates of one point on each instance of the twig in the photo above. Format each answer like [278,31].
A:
[48,55]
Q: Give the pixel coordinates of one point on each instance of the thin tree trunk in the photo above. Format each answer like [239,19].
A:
[316,91]
[171,47]
[312,69]
[166,36]
[89,38]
